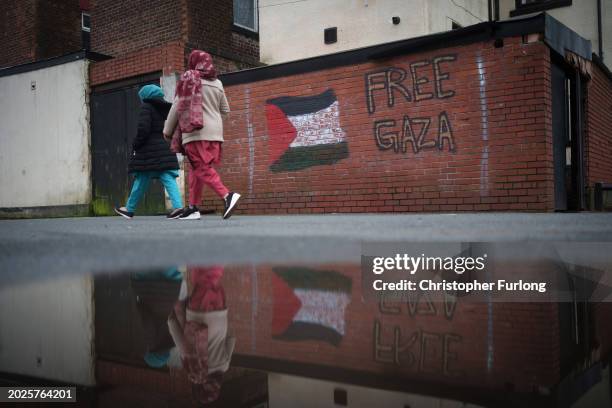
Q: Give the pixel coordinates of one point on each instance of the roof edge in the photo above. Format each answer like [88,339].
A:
[53,61]
[466,35]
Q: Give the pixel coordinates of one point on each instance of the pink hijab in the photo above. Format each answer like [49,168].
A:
[189,91]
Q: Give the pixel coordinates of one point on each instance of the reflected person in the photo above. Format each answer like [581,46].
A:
[198,325]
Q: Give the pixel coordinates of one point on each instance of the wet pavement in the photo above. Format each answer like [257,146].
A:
[52,246]
[279,311]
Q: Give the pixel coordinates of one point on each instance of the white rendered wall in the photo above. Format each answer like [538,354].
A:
[442,13]
[47,330]
[298,392]
[291,30]
[581,17]
[44,137]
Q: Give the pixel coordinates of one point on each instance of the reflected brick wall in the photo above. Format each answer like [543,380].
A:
[505,346]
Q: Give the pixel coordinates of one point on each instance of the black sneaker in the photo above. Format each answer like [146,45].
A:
[122,211]
[230,204]
[174,214]
[190,213]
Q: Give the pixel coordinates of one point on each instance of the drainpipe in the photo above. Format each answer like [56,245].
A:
[496,10]
[490,6]
[599,31]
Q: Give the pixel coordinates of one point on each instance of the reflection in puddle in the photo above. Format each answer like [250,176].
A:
[298,335]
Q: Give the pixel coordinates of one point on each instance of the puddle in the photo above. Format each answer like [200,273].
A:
[284,335]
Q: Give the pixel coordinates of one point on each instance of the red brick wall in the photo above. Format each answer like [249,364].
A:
[59,23]
[167,58]
[603,333]
[501,129]
[122,27]
[17,30]
[599,128]
[145,37]
[32,30]
[453,342]
[209,25]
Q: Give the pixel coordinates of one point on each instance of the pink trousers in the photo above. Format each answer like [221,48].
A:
[202,155]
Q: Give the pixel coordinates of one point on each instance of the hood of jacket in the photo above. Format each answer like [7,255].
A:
[160,104]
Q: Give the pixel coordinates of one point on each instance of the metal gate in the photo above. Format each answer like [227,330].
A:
[114,120]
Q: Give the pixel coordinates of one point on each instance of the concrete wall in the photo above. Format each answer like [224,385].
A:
[298,392]
[294,30]
[46,330]
[581,17]
[44,137]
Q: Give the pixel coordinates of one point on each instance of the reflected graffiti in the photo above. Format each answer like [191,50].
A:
[309,304]
[421,304]
[422,351]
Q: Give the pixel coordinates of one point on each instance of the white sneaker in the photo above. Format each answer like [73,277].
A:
[230,204]
[190,213]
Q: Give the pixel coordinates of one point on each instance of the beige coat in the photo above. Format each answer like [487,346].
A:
[214,105]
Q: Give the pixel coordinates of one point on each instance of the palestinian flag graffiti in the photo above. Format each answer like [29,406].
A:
[309,304]
[304,131]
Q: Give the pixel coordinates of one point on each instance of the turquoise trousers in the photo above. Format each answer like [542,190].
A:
[141,183]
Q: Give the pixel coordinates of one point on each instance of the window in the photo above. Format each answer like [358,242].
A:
[85,31]
[245,14]
[85,22]
[534,6]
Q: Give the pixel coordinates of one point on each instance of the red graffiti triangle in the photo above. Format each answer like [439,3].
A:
[280,132]
[286,305]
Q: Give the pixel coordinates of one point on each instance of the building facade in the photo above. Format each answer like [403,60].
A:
[149,42]
[120,46]
[591,19]
[303,29]
[475,119]
[44,138]
[351,24]
[34,30]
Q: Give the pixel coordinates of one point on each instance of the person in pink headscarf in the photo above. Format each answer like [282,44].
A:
[198,325]
[196,117]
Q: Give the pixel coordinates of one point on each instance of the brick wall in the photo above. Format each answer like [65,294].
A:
[32,30]
[166,58]
[599,128]
[123,27]
[473,135]
[209,25]
[145,37]
[59,23]
[17,31]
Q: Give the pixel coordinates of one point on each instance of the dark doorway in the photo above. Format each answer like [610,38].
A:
[567,117]
[114,119]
